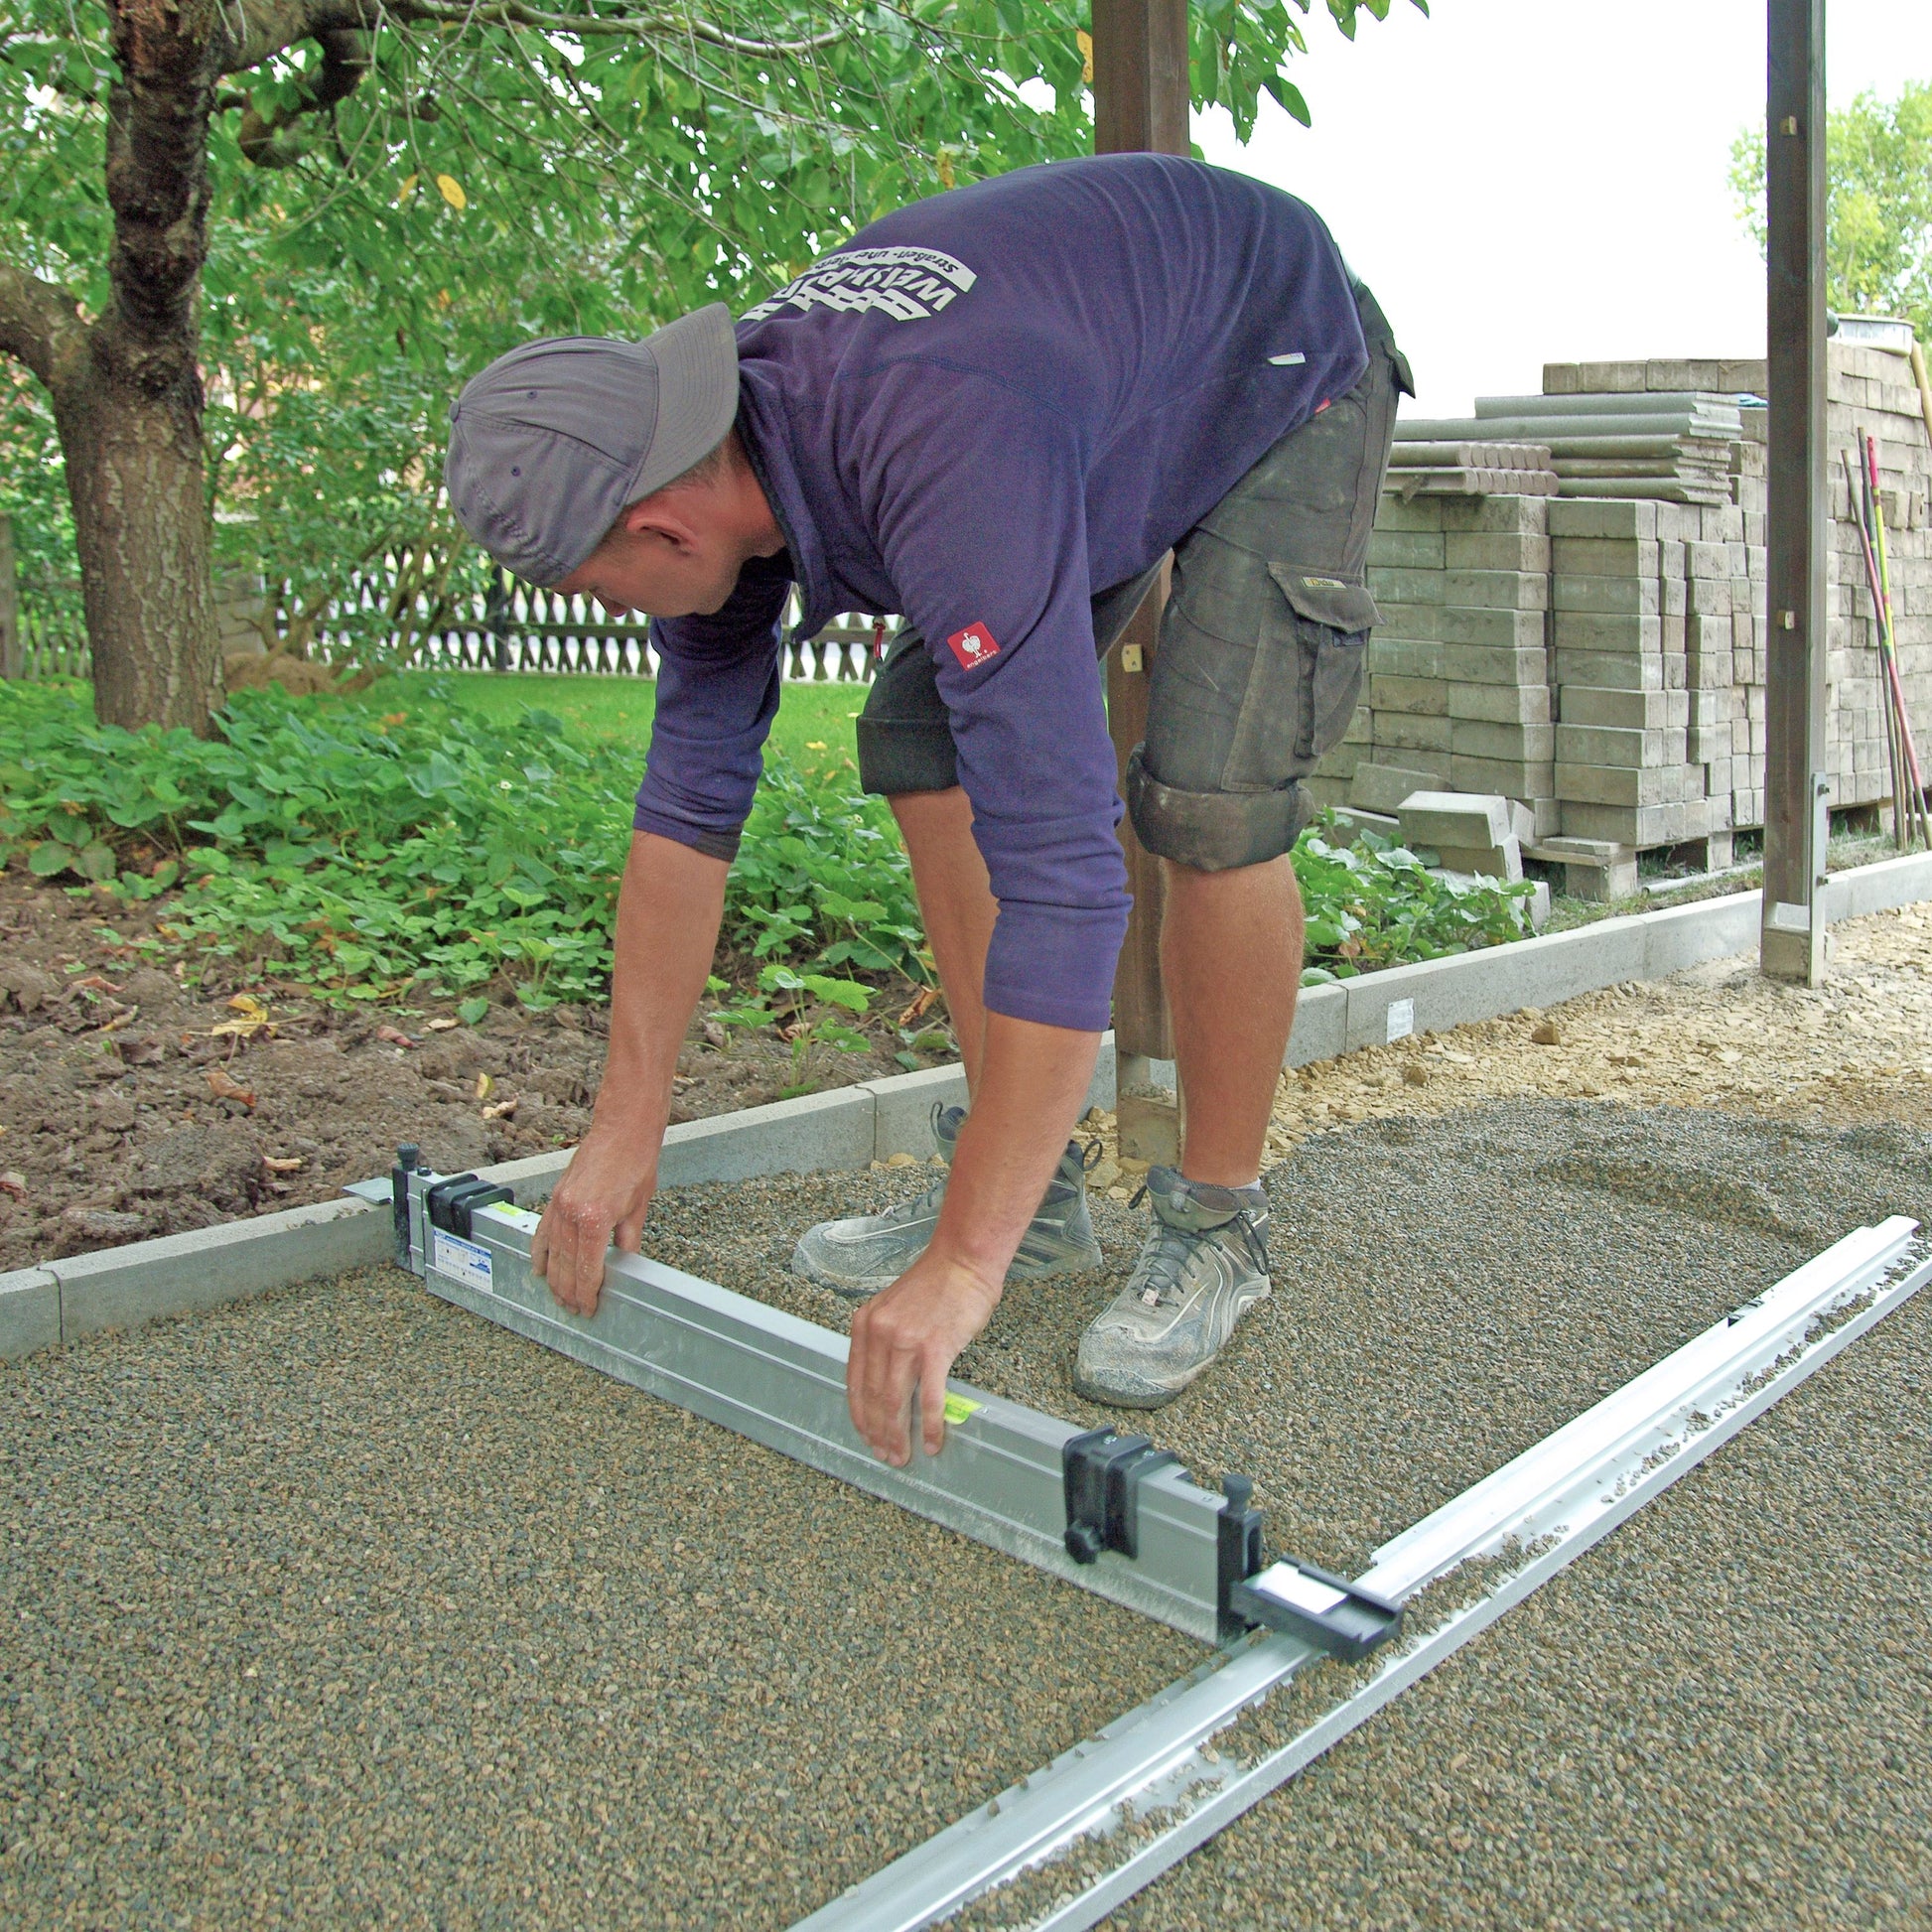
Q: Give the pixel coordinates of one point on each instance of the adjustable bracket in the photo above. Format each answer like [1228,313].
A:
[451,1204]
[409,1156]
[1321,1608]
[1103,1473]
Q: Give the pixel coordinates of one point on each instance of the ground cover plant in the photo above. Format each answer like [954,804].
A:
[366,850]
[1372,903]
[384,855]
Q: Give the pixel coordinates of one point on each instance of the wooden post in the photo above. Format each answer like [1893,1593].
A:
[1797,819]
[11,655]
[1139,104]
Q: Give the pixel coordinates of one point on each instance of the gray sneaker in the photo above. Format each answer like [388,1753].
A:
[1202,1266]
[860,1256]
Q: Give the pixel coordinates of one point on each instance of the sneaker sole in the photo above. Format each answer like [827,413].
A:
[1138,1398]
[865,1286]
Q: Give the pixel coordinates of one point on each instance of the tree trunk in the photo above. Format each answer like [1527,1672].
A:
[140,520]
[133,416]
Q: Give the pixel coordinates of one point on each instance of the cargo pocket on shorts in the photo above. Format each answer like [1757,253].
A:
[1331,621]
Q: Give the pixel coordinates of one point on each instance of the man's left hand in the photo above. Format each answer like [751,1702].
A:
[907,1340]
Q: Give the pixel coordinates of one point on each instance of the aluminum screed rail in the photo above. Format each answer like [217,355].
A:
[1113,1516]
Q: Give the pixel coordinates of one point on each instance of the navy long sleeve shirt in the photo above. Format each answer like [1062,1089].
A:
[983,409]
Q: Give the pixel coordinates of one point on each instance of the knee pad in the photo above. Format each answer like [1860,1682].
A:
[1214,831]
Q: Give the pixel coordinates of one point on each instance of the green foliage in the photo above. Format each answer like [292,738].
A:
[1879,227]
[487,183]
[808,1008]
[380,856]
[1372,903]
[373,854]
[831,884]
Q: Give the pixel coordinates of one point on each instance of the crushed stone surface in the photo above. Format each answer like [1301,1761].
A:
[1720,1717]
[491,1688]
[1856,1049]
[342,1607]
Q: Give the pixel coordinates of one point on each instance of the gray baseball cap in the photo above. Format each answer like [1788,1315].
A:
[550,443]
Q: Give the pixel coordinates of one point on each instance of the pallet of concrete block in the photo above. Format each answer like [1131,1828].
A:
[1471,469]
[1646,601]
[1458,692]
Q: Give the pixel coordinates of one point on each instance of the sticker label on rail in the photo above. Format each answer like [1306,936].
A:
[1287,1585]
[462,1260]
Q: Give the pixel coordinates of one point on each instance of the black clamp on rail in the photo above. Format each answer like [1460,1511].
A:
[451,1203]
[1321,1608]
[1104,1473]
[1238,1556]
[409,1156]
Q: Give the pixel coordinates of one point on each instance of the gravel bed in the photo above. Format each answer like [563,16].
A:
[339,1606]
[1720,1716]
[1447,1290]
[342,1607]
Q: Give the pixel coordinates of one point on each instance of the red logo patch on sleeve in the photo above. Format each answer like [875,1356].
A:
[973,646]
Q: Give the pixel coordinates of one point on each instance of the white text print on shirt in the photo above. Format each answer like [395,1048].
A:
[908,284]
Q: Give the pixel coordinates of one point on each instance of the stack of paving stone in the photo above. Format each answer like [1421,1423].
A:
[1645,600]
[1671,447]
[1466,468]
[1601,660]
[1469,839]
[1458,692]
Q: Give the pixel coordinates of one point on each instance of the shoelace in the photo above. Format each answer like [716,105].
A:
[912,1210]
[1161,1269]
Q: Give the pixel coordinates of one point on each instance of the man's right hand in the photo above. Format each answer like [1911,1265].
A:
[667,925]
[603,1196]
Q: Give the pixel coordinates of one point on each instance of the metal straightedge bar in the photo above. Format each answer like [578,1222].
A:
[999,1479]
[1158,1766]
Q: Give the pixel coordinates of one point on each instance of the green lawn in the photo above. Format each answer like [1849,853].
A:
[813,726]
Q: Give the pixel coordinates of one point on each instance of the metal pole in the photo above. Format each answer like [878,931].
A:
[1140,105]
[1797,820]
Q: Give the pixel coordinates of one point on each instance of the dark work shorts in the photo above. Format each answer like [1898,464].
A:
[1260,659]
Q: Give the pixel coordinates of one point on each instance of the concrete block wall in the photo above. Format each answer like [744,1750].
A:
[1871,389]
[1456,695]
[1603,661]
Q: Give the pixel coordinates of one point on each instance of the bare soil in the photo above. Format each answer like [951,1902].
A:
[133,1103]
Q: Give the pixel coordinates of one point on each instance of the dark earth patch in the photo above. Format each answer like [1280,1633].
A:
[115,1128]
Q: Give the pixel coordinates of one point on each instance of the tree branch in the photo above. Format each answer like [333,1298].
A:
[268,27]
[344,60]
[513,13]
[39,322]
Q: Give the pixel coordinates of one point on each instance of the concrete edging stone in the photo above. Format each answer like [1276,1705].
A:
[851,1126]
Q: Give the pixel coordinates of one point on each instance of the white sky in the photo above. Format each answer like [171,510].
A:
[1532,180]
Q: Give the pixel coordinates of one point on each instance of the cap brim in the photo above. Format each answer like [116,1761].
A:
[697,393]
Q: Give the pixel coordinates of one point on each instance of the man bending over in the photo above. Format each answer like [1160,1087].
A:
[994,412]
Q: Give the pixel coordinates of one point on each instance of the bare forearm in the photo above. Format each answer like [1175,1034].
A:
[1032,1084]
[667,931]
